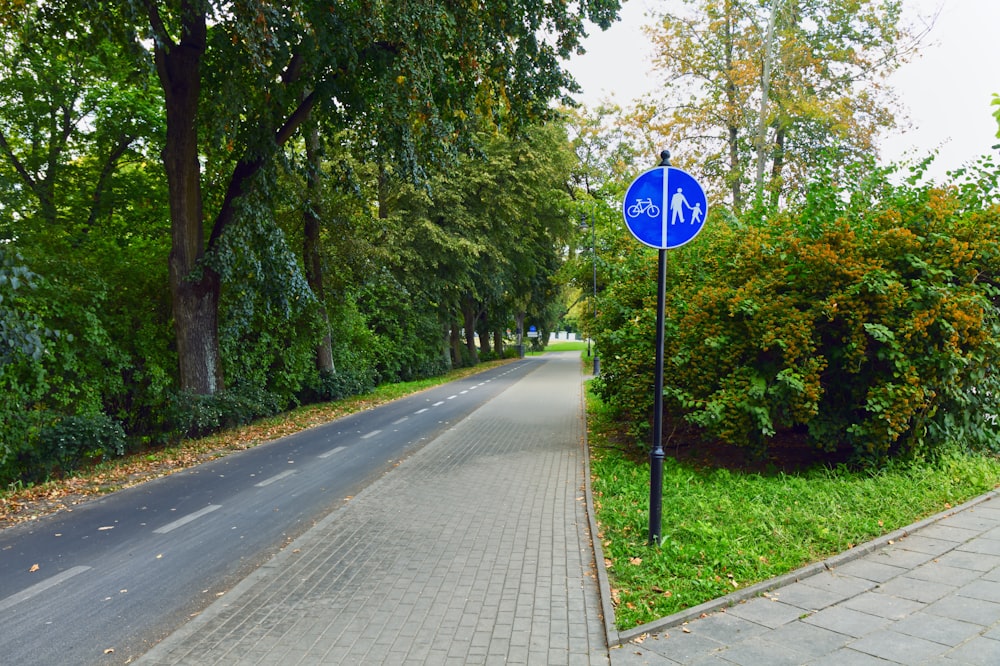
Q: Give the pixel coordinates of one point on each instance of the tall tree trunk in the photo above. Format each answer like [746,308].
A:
[469,316]
[484,336]
[732,98]
[778,165]
[312,250]
[456,346]
[445,347]
[498,342]
[194,288]
[765,100]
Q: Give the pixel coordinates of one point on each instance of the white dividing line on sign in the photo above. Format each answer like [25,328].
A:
[170,527]
[38,588]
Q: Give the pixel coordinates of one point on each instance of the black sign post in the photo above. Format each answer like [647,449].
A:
[664,208]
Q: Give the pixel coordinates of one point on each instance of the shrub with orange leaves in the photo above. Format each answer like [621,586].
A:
[864,322]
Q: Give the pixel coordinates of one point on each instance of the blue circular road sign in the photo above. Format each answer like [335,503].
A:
[665,207]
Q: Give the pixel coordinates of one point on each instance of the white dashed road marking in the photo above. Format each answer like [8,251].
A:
[170,527]
[38,588]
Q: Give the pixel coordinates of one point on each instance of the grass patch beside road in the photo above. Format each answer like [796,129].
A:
[725,530]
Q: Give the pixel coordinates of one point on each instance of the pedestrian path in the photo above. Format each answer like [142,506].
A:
[477,550]
[474,550]
[929,594]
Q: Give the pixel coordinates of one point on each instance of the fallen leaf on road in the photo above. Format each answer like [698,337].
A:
[34,568]
[109,651]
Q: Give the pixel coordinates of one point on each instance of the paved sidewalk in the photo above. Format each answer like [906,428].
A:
[928,594]
[474,550]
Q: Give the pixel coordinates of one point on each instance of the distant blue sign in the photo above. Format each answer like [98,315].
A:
[665,207]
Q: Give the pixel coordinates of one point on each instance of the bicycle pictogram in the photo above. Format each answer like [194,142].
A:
[643,206]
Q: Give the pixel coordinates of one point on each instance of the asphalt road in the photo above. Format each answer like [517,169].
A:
[102,583]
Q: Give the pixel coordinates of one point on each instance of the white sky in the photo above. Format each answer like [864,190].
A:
[946,90]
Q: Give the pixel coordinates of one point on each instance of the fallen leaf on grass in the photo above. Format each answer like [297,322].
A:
[635,560]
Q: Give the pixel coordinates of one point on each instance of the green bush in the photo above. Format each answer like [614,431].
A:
[194,415]
[864,322]
[70,441]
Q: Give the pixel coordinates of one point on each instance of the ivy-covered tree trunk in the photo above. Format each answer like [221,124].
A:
[456,347]
[312,250]
[194,288]
[469,316]
[484,333]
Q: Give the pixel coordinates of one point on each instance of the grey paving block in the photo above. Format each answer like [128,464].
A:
[724,628]
[848,657]
[979,518]
[966,609]
[947,532]
[630,655]
[884,605]
[847,621]
[944,630]
[962,559]
[979,652]
[767,612]
[809,640]
[758,652]
[937,572]
[898,556]
[839,583]
[915,589]
[982,547]
[903,648]
[924,544]
[678,646]
[809,597]
[871,569]
[987,590]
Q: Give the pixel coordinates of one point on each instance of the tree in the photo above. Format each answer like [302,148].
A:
[72,111]
[756,91]
[239,79]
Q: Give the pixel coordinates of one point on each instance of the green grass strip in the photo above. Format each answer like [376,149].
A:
[724,530]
